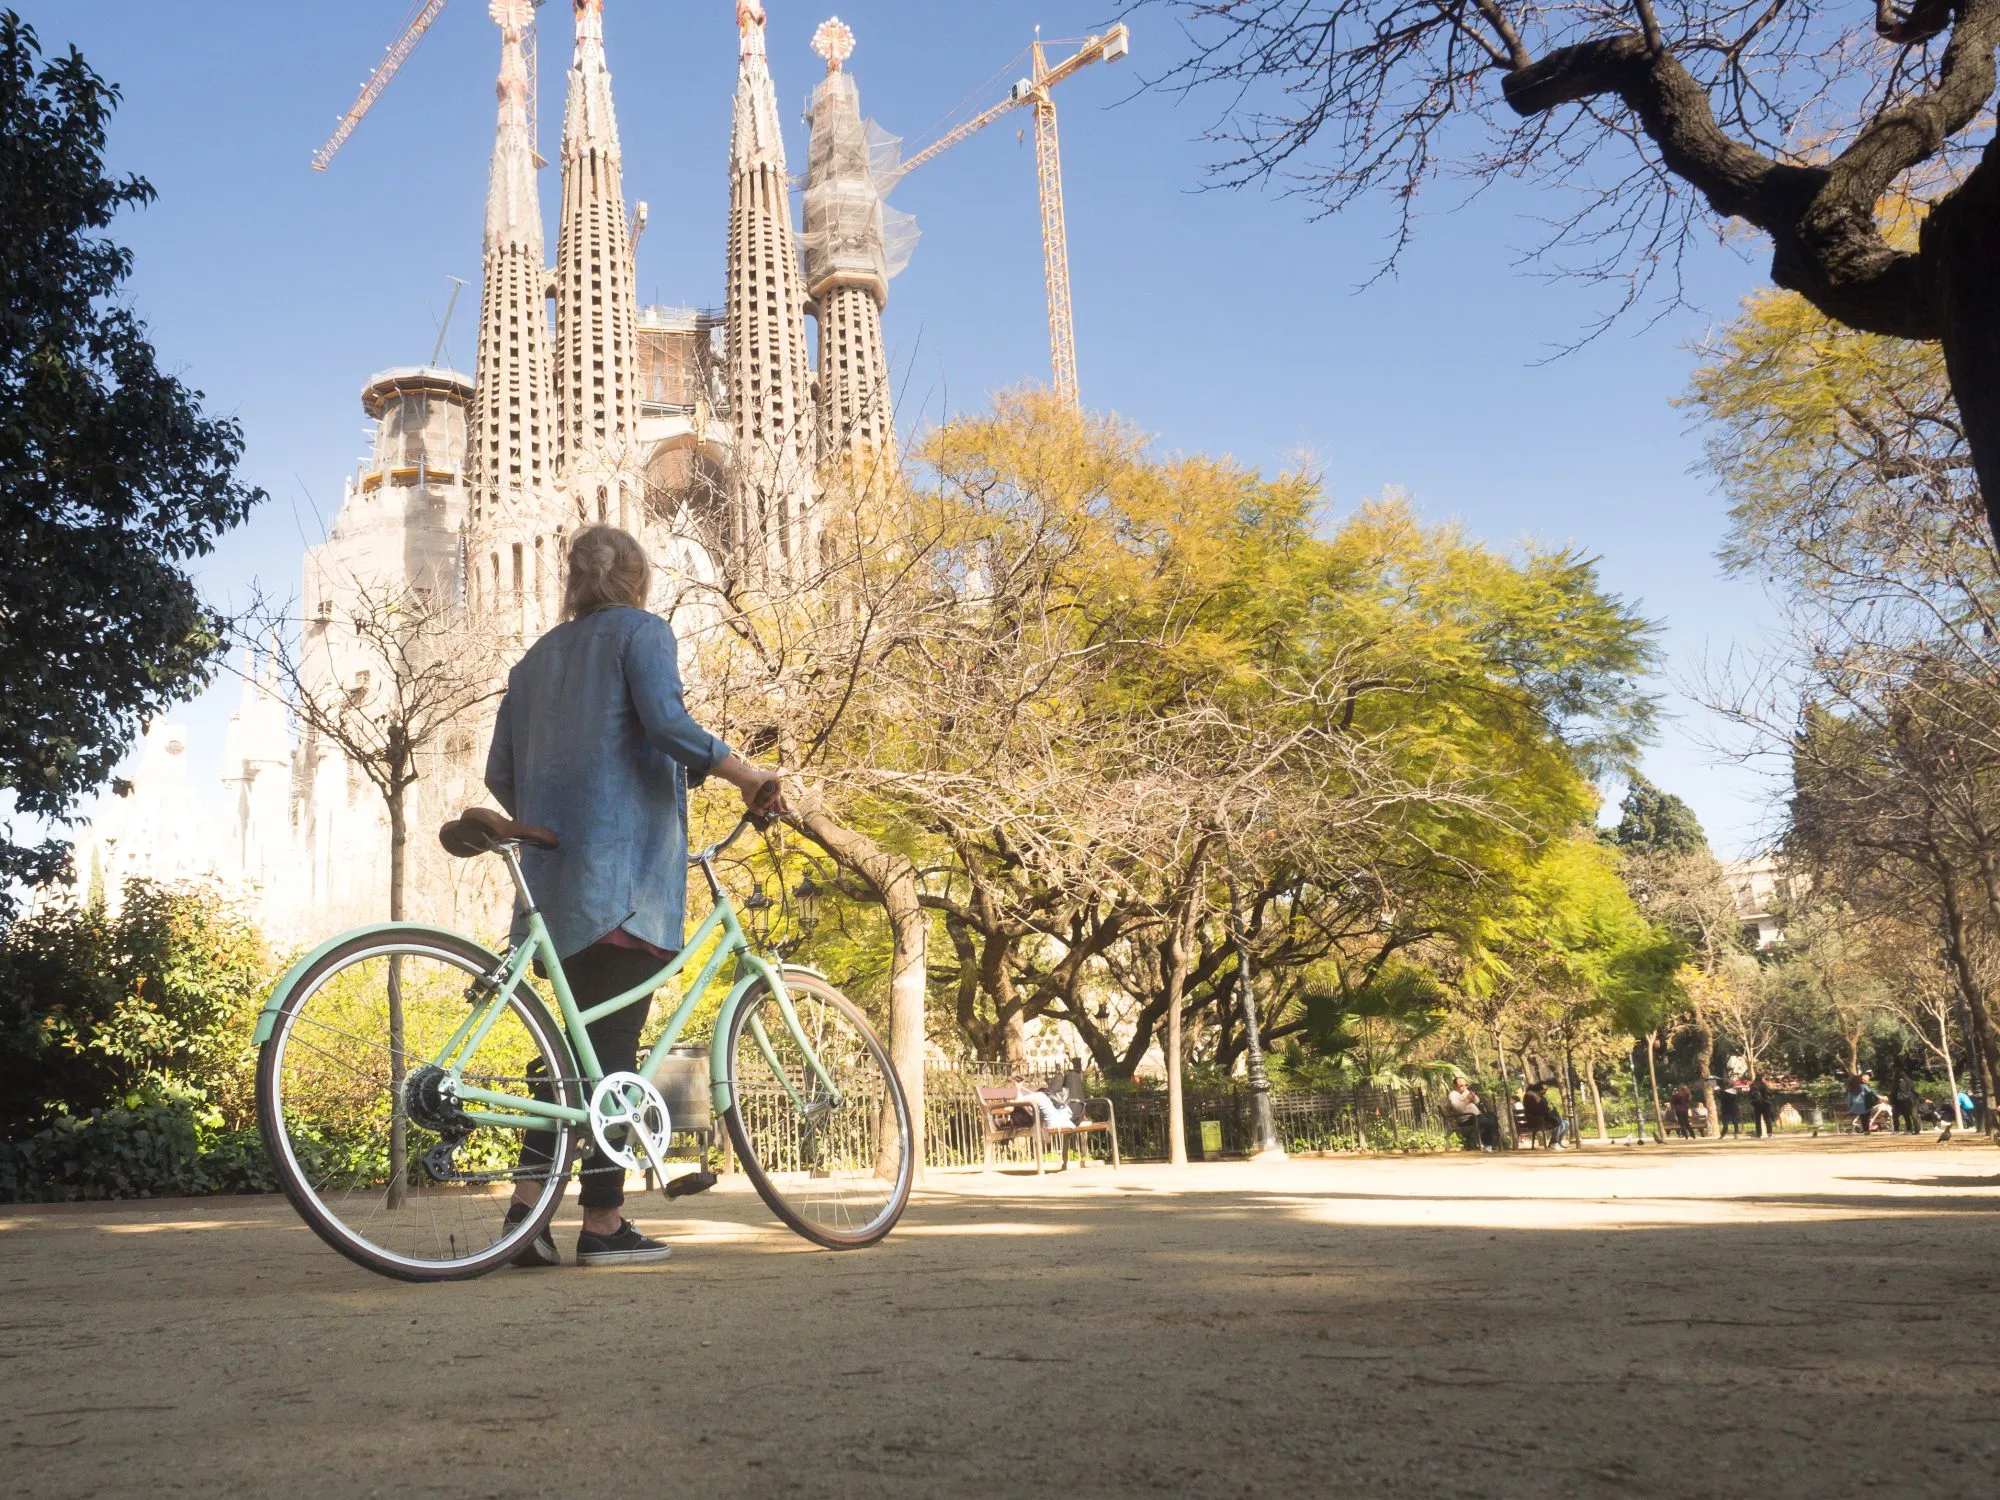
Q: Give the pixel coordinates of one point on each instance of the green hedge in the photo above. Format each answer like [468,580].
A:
[145,1151]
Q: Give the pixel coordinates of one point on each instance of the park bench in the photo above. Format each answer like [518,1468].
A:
[1527,1137]
[1010,1118]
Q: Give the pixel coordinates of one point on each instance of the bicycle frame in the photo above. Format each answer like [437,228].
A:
[491,993]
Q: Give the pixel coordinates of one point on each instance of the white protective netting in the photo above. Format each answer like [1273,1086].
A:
[851,164]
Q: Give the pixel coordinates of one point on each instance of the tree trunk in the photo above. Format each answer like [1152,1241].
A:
[1957,239]
[1597,1103]
[399,1125]
[1505,1112]
[1978,1031]
[1705,1050]
[894,880]
[1176,979]
[1263,1128]
[1950,1074]
[1653,1072]
[1180,936]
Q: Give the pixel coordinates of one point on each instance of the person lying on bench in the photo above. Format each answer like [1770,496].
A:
[1054,1116]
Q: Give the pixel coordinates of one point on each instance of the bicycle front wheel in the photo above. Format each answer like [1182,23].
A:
[817,1116]
[360,1131]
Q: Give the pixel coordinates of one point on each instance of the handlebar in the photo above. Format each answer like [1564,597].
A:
[749,820]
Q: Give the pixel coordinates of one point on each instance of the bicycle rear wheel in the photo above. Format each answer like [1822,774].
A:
[832,1163]
[360,1135]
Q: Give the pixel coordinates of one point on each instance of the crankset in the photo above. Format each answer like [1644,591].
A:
[629,1120]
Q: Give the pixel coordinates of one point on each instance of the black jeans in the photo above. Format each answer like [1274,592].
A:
[595,975]
[1767,1119]
[1905,1114]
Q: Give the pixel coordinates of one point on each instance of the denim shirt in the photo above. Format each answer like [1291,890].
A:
[594,743]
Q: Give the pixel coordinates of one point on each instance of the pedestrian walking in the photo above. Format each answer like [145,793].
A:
[1680,1101]
[1903,1102]
[1729,1103]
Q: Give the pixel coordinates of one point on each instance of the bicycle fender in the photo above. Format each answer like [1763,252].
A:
[267,1018]
[718,1049]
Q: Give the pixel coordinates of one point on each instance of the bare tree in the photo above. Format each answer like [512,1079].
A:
[1796,120]
[388,675]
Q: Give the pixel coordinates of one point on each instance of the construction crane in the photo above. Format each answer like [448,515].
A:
[1034,91]
[419,22]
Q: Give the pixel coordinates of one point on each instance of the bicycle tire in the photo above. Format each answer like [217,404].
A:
[310,1198]
[782,1190]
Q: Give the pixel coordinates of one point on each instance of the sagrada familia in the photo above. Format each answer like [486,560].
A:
[716,437]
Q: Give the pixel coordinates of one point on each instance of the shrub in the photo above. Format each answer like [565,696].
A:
[155,1003]
[145,1149]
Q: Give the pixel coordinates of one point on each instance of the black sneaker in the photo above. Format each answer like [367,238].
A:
[539,1251]
[624,1246]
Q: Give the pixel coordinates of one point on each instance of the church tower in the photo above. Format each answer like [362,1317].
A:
[770,381]
[597,313]
[512,459]
[847,272]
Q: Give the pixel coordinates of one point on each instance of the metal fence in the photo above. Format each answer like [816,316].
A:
[1318,1120]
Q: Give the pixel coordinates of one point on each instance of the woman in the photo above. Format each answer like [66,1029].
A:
[1679,1101]
[593,742]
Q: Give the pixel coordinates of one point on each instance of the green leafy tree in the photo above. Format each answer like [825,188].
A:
[111,478]
[1655,822]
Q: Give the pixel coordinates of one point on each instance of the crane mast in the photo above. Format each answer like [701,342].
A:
[399,52]
[1035,92]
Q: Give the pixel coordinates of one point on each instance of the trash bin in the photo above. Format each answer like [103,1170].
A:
[683,1084]
[1211,1140]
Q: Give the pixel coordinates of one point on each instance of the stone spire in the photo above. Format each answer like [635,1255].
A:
[770,381]
[847,270]
[512,458]
[597,311]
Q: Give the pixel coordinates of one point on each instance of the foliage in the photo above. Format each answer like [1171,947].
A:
[1848,463]
[1655,822]
[140,1151]
[111,479]
[1081,685]
[152,1004]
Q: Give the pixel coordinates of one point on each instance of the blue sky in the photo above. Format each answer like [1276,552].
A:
[1221,321]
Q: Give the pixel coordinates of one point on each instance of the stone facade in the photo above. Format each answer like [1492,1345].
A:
[699,432]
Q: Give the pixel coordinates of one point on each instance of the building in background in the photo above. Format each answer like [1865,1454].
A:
[1764,889]
[704,433]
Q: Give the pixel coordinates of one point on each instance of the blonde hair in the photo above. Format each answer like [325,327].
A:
[607,567]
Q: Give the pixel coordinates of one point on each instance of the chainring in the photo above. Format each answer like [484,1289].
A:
[630,1122]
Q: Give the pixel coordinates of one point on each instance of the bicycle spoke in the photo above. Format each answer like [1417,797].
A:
[329,1091]
[833,1162]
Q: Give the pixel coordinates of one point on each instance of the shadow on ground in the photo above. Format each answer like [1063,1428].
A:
[1771,1321]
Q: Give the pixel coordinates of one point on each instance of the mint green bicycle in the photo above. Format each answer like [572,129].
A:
[401,1065]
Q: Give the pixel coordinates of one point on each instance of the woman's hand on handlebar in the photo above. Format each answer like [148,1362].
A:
[763,796]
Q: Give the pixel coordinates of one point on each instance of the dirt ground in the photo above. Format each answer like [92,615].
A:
[1768,1319]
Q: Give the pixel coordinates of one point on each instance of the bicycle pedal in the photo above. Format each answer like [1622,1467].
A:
[689,1183]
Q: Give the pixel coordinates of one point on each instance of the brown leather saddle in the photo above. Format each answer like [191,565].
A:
[480,830]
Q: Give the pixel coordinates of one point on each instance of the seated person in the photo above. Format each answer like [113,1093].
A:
[1464,1113]
[1540,1114]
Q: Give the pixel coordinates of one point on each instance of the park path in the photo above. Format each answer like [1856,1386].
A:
[1774,1319]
